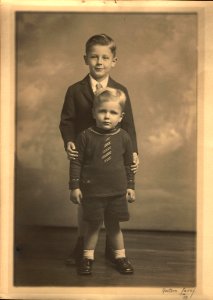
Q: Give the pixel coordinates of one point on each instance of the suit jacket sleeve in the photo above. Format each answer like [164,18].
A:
[128,122]
[76,165]
[68,115]
[128,161]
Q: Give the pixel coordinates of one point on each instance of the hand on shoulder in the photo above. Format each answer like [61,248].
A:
[72,153]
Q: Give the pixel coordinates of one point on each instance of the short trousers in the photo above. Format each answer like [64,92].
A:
[96,209]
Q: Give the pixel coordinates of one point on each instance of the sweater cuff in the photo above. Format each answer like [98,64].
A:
[131,184]
[74,184]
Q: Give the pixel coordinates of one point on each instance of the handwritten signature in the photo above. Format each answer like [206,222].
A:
[184,293]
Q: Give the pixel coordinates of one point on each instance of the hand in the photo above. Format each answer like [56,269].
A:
[130,195]
[136,162]
[72,153]
[76,196]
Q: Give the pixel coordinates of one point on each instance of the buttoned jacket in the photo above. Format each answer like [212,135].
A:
[76,113]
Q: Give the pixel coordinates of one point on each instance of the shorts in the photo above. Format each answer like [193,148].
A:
[96,209]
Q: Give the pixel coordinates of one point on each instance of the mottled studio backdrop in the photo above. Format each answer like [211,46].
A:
[157,61]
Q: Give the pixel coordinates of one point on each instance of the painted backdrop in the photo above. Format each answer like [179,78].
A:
[157,61]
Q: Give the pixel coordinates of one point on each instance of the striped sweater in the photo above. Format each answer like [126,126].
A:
[103,165]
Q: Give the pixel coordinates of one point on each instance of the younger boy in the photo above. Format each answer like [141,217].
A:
[76,115]
[101,178]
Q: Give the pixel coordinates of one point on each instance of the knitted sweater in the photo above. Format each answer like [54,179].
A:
[103,164]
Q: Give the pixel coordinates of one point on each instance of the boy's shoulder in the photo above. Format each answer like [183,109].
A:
[115,84]
[86,132]
[79,83]
[124,133]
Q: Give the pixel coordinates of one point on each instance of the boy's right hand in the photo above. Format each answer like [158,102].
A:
[130,195]
[76,196]
[72,153]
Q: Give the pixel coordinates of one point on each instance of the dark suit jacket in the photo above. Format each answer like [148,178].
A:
[76,113]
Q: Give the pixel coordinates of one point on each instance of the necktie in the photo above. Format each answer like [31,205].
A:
[98,87]
[107,151]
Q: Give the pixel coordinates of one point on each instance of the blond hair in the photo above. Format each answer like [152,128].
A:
[110,94]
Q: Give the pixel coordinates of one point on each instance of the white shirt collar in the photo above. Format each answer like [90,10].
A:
[94,82]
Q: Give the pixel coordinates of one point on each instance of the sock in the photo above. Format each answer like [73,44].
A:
[119,253]
[88,254]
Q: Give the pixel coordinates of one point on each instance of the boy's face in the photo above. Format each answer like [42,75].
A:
[100,61]
[107,115]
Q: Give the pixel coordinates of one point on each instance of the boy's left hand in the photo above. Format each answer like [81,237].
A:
[136,162]
[130,195]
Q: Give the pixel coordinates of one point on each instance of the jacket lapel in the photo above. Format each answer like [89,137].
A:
[111,83]
[87,89]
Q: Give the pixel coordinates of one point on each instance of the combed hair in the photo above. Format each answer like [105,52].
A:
[109,94]
[101,39]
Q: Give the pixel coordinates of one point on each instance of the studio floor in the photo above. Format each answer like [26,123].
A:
[160,259]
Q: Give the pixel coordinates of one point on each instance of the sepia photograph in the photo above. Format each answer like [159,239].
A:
[107,111]
[156,60]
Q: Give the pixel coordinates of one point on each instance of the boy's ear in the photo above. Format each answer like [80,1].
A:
[85,60]
[114,61]
[122,115]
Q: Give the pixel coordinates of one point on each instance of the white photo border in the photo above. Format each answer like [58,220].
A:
[204,10]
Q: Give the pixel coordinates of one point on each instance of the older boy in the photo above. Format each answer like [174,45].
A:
[77,109]
[101,178]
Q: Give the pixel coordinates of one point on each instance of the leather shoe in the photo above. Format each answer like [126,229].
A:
[85,266]
[124,266]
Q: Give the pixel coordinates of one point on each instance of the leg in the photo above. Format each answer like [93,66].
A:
[116,240]
[82,225]
[90,241]
[77,252]
[116,208]
[114,233]
[91,236]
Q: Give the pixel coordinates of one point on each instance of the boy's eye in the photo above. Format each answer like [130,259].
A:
[102,111]
[96,56]
[113,112]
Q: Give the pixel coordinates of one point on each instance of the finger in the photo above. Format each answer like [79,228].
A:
[135,157]
[133,170]
[71,156]
[72,146]
[74,153]
[131,200]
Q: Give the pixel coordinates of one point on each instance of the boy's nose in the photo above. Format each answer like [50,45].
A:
[100,60]
[107,115]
